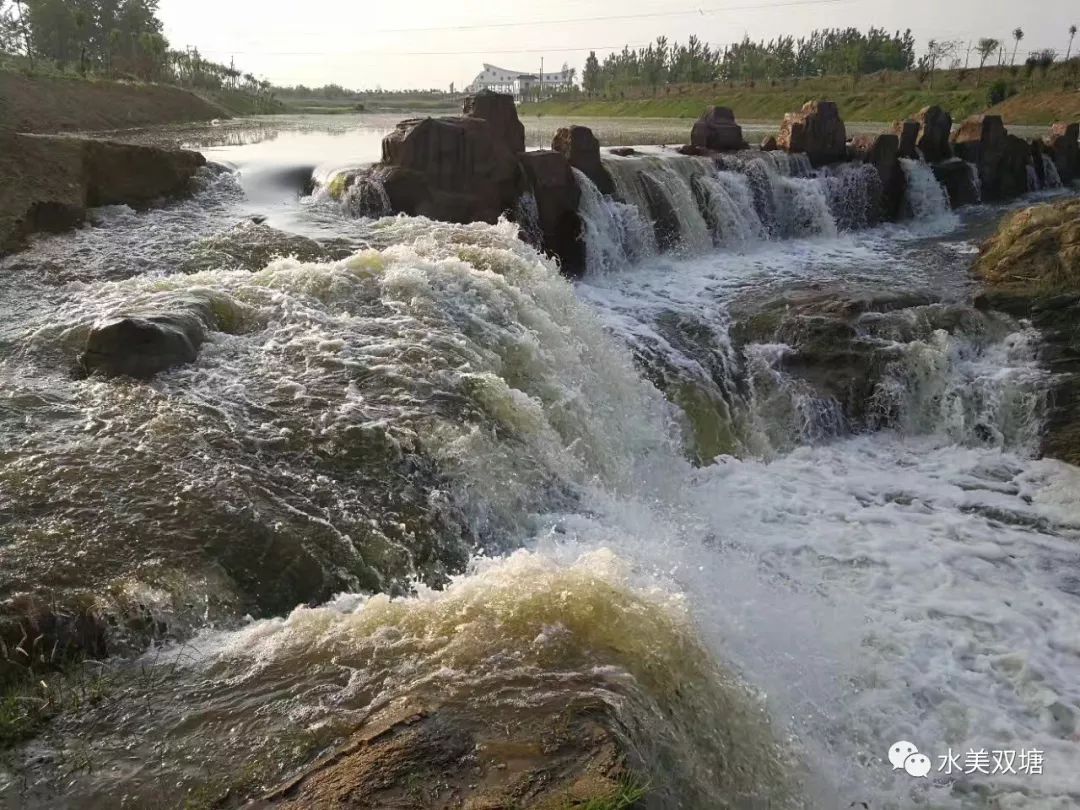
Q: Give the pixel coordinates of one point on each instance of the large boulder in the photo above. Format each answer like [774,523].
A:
[499,110]
[955,176]
[908,133]
[1031,268]
[936,127]
[1001,159]
[582,149]
[1063,141]
[882,152]
[48,182]
[557,197]
[141,347]
[716,130]
[817,130]
[455,170]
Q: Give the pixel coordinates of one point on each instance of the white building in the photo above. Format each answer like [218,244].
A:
[520,84]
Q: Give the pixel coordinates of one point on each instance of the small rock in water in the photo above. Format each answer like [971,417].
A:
[142,347]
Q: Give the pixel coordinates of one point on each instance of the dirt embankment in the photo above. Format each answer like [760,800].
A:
[47,104]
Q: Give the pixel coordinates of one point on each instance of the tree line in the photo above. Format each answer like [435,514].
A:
[827,51]
[116,38]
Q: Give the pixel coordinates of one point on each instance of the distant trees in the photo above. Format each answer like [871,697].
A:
[833,51]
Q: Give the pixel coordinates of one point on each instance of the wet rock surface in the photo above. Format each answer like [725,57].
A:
[717,130]
[48,182]
[557,196]
[1031,268]
[817,130]
[582,149]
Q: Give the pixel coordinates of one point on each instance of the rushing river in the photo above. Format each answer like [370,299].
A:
[483,484]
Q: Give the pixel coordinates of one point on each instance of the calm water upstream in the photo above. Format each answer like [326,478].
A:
[481,482]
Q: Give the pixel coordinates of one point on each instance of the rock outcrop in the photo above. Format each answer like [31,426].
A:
[1031,268]
[769,143]
[882,151]
[716,130]
[955,176]
[48,182]
[557,196]
[1066,150]
[935,126]
[817,130]
[450,169]
[582,148]
[501,114]
[1002,159]
[908,133]
[544,759]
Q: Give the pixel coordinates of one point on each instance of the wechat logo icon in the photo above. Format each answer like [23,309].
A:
[905,756]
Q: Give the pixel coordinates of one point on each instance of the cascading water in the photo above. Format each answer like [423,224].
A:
[527,216]
[616,234]
[1033,183]
[976,180]
[1052,179]
[768,511]
[925,197]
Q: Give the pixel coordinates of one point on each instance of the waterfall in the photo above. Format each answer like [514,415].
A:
[367,197]
[854,194]
[925,197]
[527,216]
[1050,173]
[730,209]
[1032,179]
[616,233]
[976,181]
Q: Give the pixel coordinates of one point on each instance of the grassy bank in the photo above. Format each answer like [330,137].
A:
[1036,98]
[52,103]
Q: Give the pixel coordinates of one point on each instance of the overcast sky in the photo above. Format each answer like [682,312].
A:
[363,44]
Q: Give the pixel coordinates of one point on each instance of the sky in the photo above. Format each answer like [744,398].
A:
[363,44]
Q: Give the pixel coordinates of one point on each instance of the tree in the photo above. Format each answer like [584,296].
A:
[1018,34]
[936,53]
[590,77]
[1072,36]
[985,49]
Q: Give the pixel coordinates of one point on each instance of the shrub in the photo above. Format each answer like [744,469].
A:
[998,92]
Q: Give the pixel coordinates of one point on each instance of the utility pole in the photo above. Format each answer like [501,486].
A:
[968,57]
[541,96]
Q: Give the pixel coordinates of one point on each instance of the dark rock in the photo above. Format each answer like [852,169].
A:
[769,144]
[48,182]
[690,150]
[460,171]
[1066,148]
[882,152]
[908,133]
[582,149]
[142,346]
[500,112]
[955,176]
[717,130]
[817,130]
[1001,159]
[253,245]
[557,197]
[936,128]
[624,151]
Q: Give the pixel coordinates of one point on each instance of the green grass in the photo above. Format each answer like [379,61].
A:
[883,97]
[629,794]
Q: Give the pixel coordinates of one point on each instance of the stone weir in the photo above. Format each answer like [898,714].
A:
[474,167]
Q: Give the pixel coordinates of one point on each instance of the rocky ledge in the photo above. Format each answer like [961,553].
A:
[1031,268]
[47,183]
[474,167]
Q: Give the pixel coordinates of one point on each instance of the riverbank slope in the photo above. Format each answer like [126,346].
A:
[50,104]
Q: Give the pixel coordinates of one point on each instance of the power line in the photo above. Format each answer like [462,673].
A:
[609,17]
[431,53]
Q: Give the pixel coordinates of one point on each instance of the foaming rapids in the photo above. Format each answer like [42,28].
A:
[925,197]
[652,499]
